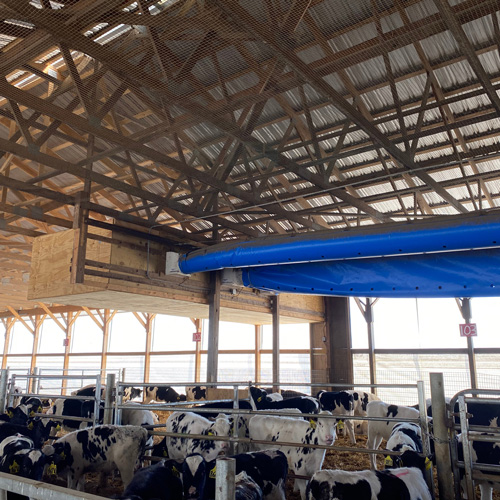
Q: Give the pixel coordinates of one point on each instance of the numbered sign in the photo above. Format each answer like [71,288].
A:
[197,337]
[468,330]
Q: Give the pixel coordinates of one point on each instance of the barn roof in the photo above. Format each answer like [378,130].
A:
[218,120]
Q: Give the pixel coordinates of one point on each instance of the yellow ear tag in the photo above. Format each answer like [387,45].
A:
[428,463]
[52,469]
[39,409]
[388,461]
[58,427]
[63,455]
[312,423]
[340,425]
[14,468]
[210,433]
[32,413]
[165,452]
[175,472]
[212,473]
[30,426]
[10,414]
[259,399]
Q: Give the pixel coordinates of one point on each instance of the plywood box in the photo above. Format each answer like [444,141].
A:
[131,278]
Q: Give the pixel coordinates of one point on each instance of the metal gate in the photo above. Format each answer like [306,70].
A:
[466,469]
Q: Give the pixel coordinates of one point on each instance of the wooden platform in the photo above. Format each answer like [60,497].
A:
[118,276]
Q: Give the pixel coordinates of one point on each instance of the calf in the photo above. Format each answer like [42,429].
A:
[222,405]
[301,460]
[484,453]
[394,484]
[245,488]
[130,393]
[404,436]
[36,430]
[102,448]
[339,403]
[164,394]
[89,390]
[191,423]
[306,404]
[381,429]
[73,408]
[487,414]
[133,414]
[268,468]
[361,400]
[160,481]
[19,457]
[196,393]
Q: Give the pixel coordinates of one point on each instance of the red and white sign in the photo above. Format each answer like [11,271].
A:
[468,330]
[65,342]
[197,337]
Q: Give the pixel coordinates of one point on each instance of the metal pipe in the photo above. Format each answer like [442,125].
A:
[10,396]
[4,383]
[36,380]
[108,403]
[464,426]
[41,491]
[441,438]
[424,425]
[224,478]
[97,399]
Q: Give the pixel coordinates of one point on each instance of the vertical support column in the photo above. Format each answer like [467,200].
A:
[213,326]
[371,342]
[36,338]
[198,323]
[80,238]
[275,304]
[105,341]
[338,341]
[258,347]
[4,383]
[108,403]
[224,479]
[68,331]
[149,339]
[8,332]
[441,437]
[466,311]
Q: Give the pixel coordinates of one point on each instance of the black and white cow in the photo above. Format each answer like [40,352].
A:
[134,413]
[258,400]
[301,460]
[222,405]
[406,483]
[361,400]
[130,393]
[196,393]
[160,481]
[484,453]
[487,414]
[191,423]
[74,408]
[404,436]
[19,457]
[160,449]
[381,429]
[268,468]
[245,488]
[163,394]
[89,390]
[36,430]
[102,448]
[339,403]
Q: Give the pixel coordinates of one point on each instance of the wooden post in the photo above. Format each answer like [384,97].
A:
[8,332]
[80,240]
[213,326]
[320,355]
[149,339]
[37,324]
[275,305]
[198,323]
[258,348]
[338,327]
[105,341]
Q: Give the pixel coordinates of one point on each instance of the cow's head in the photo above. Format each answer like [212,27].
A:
[58,456]
[221,428]
[258,396]
[194,476]
[325,428]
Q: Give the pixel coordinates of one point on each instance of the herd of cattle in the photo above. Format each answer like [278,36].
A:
[300,429]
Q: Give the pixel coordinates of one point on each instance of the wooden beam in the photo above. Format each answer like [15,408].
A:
[213,326]
[275,311]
